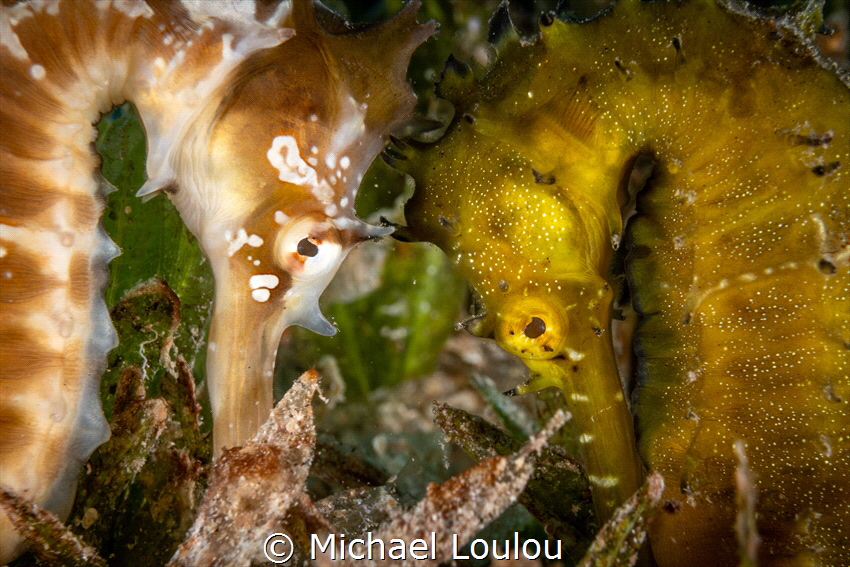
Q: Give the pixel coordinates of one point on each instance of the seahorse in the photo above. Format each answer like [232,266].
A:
[261,119]
[737,256]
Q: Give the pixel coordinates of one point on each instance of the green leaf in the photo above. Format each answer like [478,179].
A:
[393,333]
[153,239]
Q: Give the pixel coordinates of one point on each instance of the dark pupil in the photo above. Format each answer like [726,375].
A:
[536,328]
[307,248]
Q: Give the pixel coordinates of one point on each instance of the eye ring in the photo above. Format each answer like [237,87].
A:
[308,248]
[532,328]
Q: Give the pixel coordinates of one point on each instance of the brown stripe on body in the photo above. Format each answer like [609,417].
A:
[29,189]
[19,90]
[85,210]
[55,59]
[80,280]
[36,407]
[16,430]
[21,275]
[50,311]
[21,196]
[23,357]
[27,135]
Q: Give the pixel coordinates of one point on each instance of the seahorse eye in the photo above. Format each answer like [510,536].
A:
[308,248]
[532,328]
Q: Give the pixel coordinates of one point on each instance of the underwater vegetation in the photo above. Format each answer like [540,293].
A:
[694,323]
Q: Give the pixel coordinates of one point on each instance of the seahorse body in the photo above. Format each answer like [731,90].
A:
[737,257]
[260,123]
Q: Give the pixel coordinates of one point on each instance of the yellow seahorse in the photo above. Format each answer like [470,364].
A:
[260,124]
[737,256]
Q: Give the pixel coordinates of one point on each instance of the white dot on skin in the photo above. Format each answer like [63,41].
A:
[66,325]
[270,281]
[344,162]
[37,72]
[261,295]
[255,241]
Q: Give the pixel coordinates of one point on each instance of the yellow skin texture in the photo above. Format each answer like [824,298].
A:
[737,259]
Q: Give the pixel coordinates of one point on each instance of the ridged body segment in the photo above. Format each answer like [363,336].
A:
[737,256]
[53,254]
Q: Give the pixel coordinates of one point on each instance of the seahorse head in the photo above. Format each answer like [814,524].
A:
[513,196]
[288,149]
[268,183]
[533,241]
